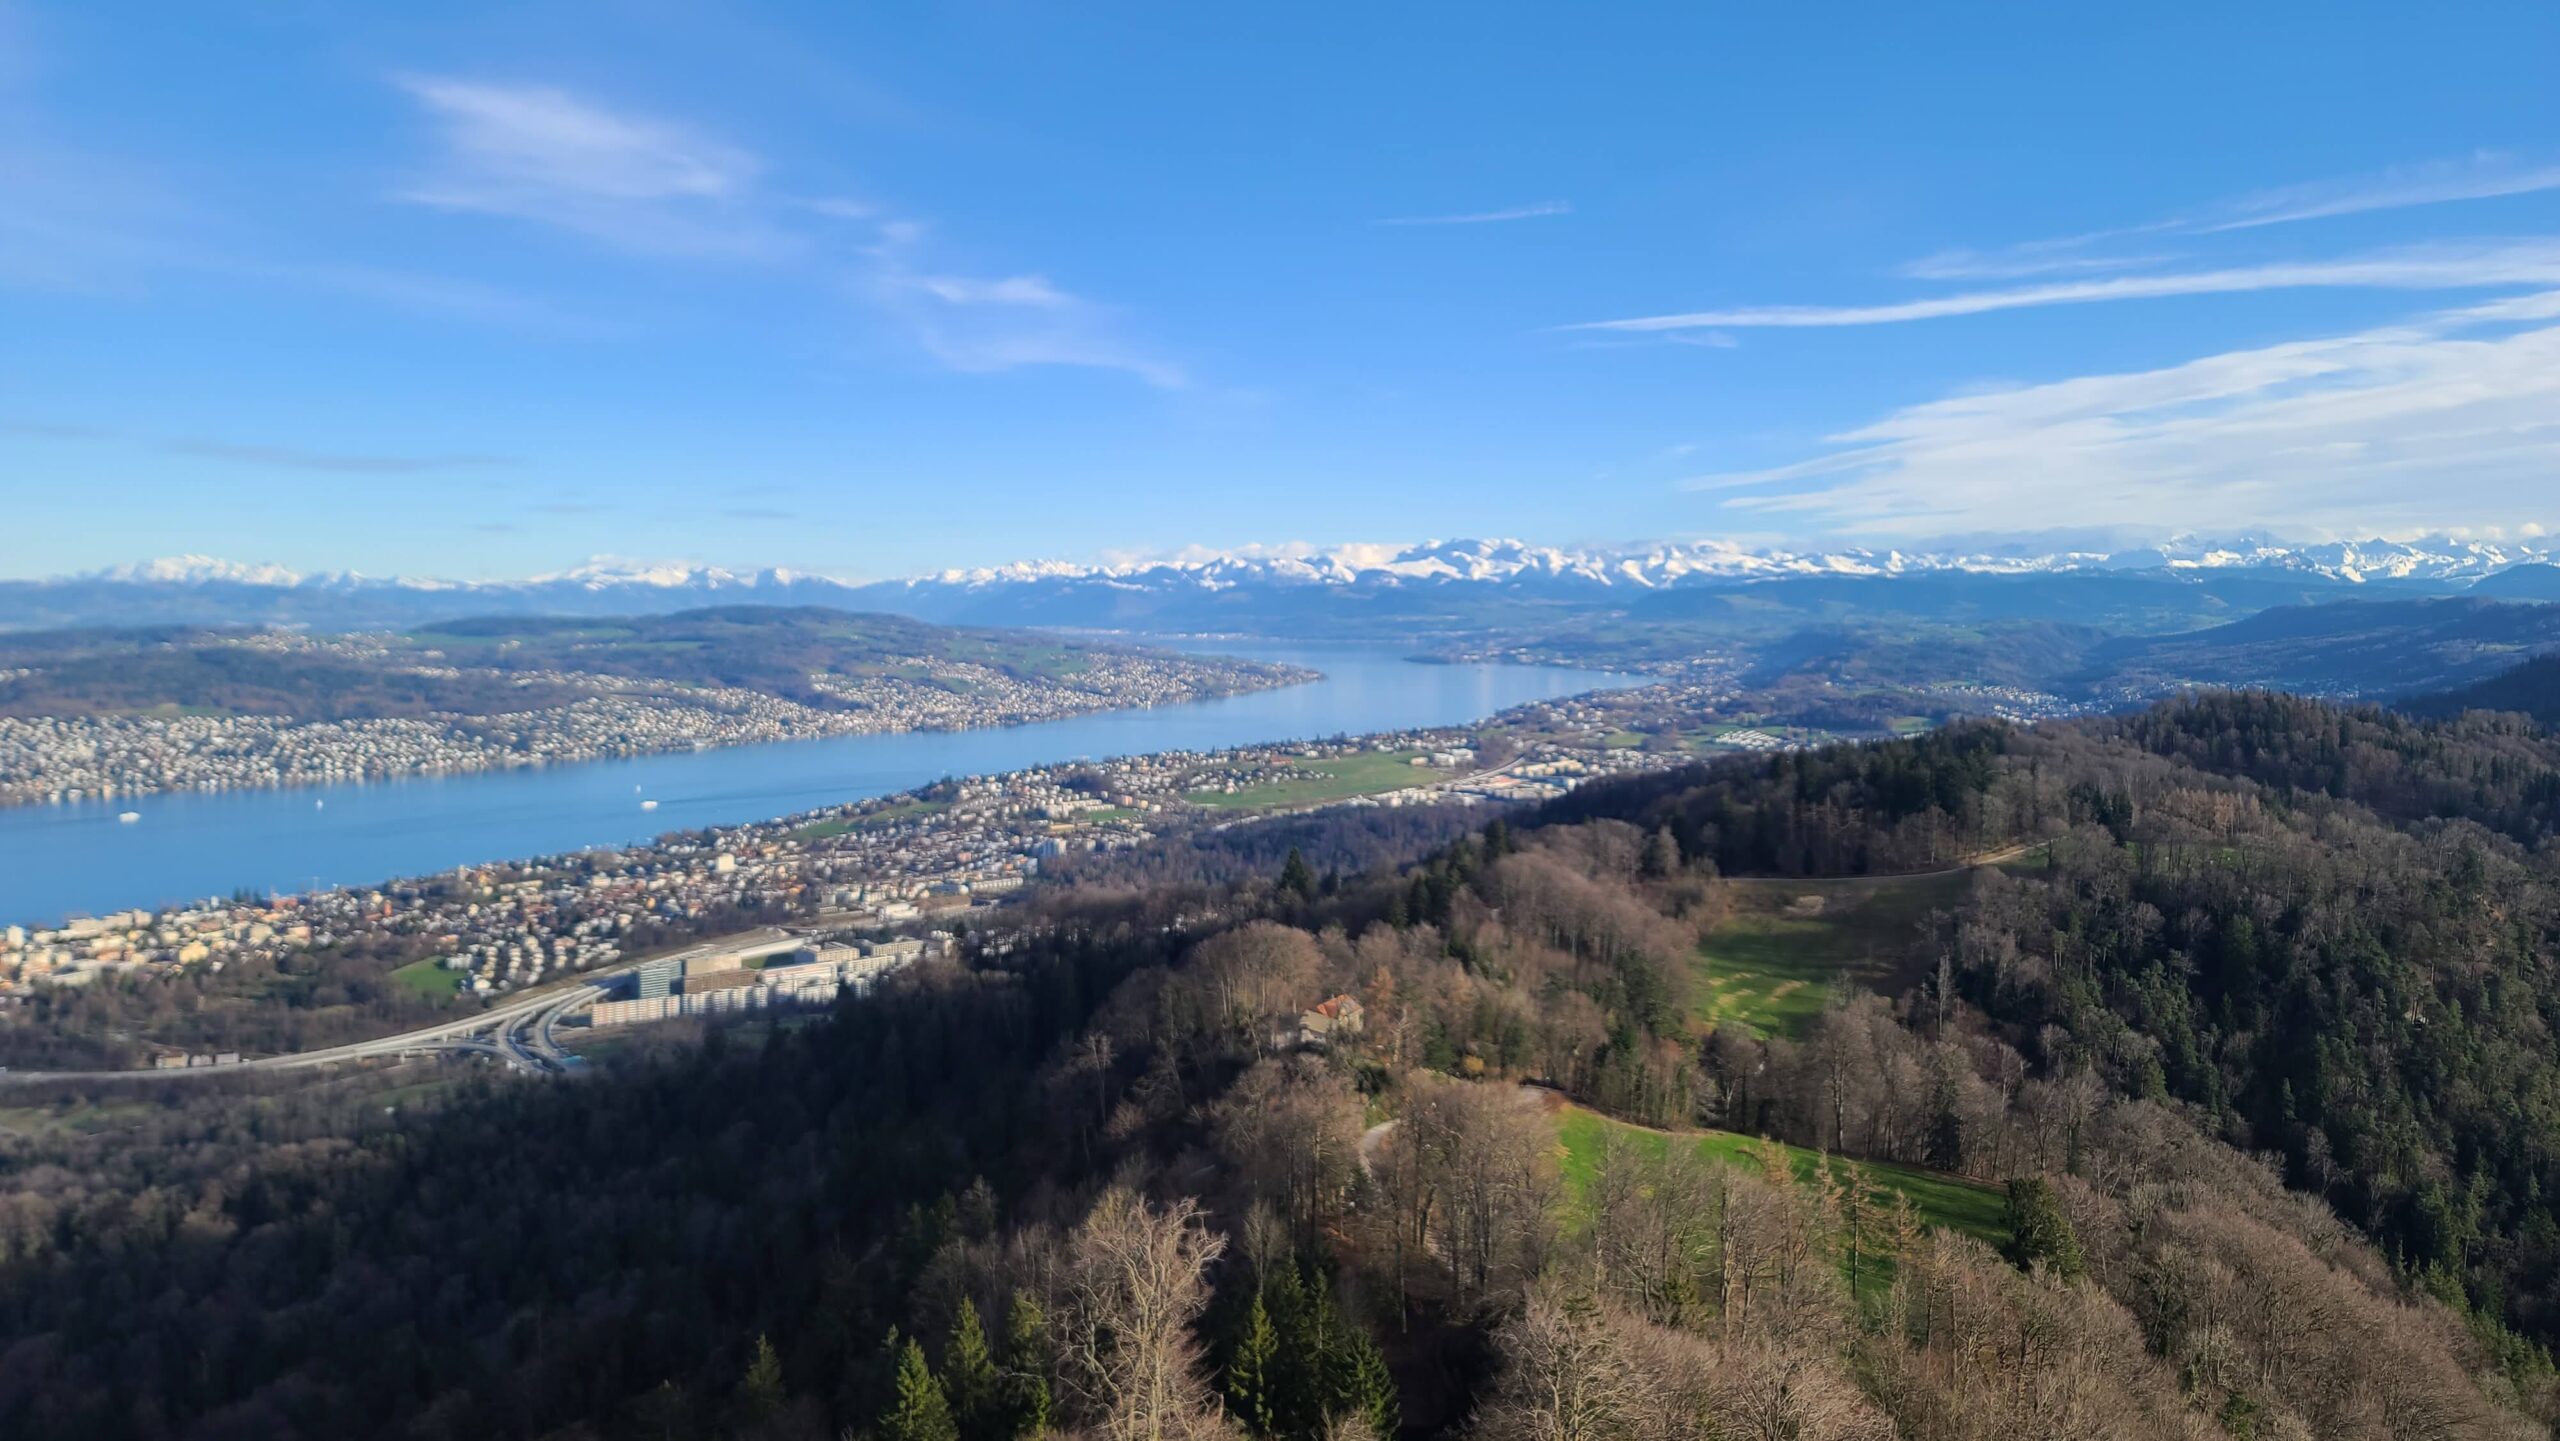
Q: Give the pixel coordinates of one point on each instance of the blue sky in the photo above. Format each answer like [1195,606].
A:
[485,290]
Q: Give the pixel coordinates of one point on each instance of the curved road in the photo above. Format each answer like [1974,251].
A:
[519,1031]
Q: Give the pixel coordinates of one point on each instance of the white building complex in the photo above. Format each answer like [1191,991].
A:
[813,976]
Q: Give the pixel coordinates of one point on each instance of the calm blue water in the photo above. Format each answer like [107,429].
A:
[60,860]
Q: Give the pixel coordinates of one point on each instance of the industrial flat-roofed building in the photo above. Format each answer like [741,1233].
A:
[654,979]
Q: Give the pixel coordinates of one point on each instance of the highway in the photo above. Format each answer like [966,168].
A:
[521,1031]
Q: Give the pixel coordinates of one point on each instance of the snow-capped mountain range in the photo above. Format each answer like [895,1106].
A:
[1668,563]
[1645,566]
[1440,585]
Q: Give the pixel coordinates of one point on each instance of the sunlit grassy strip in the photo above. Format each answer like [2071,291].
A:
[886,815]
[1942,1201]
[427,979]
[85,1118]
[1367,773]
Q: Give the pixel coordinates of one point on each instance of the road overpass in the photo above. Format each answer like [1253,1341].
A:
[521,1031]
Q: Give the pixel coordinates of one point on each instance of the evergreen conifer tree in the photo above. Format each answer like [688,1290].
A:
[1249,1369]
[1370,1389]
[1296,877]
[1296,1390]
[918,1411]
[760,1394]
[2040,1230]
[1026,1368]
[970,1382]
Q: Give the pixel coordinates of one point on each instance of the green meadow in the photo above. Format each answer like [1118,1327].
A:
[1326,778]
[1774,964]
[1942,1202]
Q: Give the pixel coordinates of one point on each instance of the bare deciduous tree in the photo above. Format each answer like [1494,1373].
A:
[1566,1375]
[1136,1278]
[1291,1126]
[1471,1171]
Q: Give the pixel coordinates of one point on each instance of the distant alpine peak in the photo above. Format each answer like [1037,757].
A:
[607,572]
[2424,558]
[198,569]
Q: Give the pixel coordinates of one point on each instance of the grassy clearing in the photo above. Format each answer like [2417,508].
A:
[86,1118]
[436,1084]
[1761,974]
[1326,778]
[427,980]
[1943,1202]
[1773,965]
[903,811]
[885,816]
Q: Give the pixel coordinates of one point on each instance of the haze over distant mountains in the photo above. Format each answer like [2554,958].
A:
[1435,585]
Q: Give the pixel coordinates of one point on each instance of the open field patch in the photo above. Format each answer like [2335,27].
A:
[1326,778]
[1942,1202]
[427,980]
[1775,963]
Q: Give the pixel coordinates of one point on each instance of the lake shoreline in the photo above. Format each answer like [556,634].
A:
[76,857]
[501,762]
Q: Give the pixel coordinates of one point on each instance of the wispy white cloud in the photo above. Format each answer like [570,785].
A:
[981,325]
[2454,413]
[1538,211]
[1034,291]
[840,207]
[2022,261]
[535,138]
[665,190]
[2448,267]
[535,153]
[2484,176]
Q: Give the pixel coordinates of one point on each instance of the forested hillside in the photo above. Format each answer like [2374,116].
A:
[2329,931]
[2531,689]
[1115,1175]
[2365,647]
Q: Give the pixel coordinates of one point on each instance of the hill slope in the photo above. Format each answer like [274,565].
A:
[2369,648]
[2532,689]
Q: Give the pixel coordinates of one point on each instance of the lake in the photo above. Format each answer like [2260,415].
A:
[58,860]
